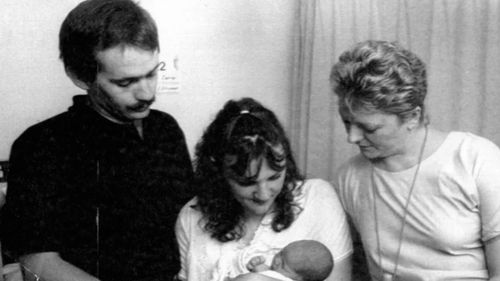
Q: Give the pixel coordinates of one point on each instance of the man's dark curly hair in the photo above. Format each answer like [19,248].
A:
[242,131]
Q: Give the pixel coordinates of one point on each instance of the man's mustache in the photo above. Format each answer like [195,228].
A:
[142,104]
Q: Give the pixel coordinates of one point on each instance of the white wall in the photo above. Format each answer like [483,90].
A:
[226,49]
[33,85]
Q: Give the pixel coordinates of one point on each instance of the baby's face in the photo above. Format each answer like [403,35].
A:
[280,265]
[277,261]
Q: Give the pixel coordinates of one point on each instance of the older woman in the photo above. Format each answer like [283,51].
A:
[252,200]
[426,203]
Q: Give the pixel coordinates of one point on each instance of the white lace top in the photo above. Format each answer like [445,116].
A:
[322,218]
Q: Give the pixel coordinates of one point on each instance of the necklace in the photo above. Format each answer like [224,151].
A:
[405,213]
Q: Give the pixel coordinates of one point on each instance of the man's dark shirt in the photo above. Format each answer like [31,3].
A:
[98,194]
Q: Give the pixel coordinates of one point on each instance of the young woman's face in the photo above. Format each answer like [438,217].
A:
[257,196]
[377,134]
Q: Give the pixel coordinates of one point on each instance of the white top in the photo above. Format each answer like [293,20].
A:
[454,209]
[322,219]
[275,275]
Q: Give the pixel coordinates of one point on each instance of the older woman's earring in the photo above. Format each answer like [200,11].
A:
[412,128]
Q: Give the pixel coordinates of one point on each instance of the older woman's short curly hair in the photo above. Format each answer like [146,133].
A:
[380,75]
[242,131]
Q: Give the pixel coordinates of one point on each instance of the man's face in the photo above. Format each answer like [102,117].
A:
[125,84]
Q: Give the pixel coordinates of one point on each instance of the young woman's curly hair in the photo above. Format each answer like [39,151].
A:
[243,131]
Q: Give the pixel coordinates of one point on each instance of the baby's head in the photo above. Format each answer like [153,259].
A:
[304,260]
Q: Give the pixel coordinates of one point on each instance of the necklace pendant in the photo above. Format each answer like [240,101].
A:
[395,277]
[386,276]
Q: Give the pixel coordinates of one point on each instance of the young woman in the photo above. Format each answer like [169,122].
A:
[252,200]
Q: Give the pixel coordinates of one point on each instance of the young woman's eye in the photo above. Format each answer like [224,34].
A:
[275,177]
[246,183]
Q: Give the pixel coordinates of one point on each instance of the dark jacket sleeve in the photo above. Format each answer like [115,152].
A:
[29,215]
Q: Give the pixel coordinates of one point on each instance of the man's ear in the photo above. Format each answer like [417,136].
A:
[79,83]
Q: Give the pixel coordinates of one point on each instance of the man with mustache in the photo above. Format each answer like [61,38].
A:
[94,192]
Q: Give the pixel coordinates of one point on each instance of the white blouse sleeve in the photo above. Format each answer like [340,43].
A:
[486,171]
[182,233]
[328,220]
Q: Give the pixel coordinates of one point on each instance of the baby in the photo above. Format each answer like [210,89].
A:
[303,260]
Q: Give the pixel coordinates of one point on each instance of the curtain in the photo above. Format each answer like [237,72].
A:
[459,40]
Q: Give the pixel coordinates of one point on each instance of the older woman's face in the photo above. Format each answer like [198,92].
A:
[378,135]
[257,196]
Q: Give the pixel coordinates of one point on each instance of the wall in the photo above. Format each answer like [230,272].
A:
[225,49]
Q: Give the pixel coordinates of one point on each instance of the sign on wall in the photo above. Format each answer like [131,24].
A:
[168,76]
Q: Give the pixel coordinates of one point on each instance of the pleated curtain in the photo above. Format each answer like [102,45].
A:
[459,40]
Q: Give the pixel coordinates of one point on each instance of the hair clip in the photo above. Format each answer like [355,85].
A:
[252,139]
[245,111]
